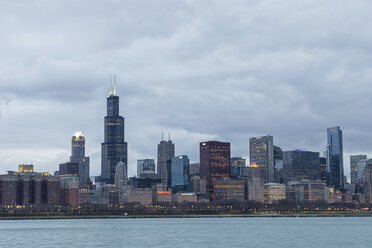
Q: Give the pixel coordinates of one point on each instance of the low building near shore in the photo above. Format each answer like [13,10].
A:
[274,192]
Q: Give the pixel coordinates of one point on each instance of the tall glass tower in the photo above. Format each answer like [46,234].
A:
[114,148]
[335,161]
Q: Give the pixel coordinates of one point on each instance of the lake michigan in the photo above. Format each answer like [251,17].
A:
[189,232]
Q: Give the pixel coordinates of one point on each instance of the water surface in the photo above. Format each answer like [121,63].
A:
[198,232]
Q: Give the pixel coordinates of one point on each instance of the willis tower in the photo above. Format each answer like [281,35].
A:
[114,148]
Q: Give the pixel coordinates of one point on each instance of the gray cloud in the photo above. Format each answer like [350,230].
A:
[224,70]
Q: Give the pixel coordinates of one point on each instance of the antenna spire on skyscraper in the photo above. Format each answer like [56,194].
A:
[115,87]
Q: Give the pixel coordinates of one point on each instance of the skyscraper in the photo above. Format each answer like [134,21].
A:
[301,164]
[180,171]
[354,159]
[78,156]
[165,153]
[261,152]
[120,175]
[237,165]
[335,161]
[214,162]
[145,166]
[114,148]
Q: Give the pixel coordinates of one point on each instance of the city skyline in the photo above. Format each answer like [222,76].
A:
[133,171]
[198,75]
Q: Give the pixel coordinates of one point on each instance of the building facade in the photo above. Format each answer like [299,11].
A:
[354,159]
[180,174]
[229,189]
[261,151]
[335,161]
[166,152]
[214,162]
[78,156]
[301,164]
[145,166]
[114,147]
[237,165]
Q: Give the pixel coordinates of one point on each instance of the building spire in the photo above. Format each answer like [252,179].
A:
[169,136]
[115,90]
[162,135]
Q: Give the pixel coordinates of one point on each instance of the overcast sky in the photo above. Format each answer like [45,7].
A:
[225,70]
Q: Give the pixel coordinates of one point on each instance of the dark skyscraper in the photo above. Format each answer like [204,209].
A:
[214,162]
[165,153]
[335,161]
[114,148]
[301,164]
[261,152]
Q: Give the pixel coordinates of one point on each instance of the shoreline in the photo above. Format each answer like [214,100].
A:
[190,216]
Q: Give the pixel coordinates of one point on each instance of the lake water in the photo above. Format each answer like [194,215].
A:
[199,232]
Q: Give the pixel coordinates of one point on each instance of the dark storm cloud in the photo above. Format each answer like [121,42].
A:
[225,70]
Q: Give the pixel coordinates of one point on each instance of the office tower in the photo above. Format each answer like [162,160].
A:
[335,161]
[194,169]
[367,185]
[179,174]
[120,175]
[323,169]
[354,159]
[278,164]
[237,163]
[362,164]
[114,148]
[262,153]
[69,190]
[69,168]
[165,153]
[145,166]
[255,184]
[78,156]
[301,164]
[198,185]
[214,162]
[229,189]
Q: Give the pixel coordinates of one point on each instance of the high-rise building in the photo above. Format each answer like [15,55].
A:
[78,156]
[323,169]
[120,175]
[165,153]
[278,164]
[301,164]
[362,164]
[255,184]
[354,159]
[214,162]
[114,147]
[237,163]
[194,169]
[367,185]
[179,173]
[335,161]
[261,152]
[145,166]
